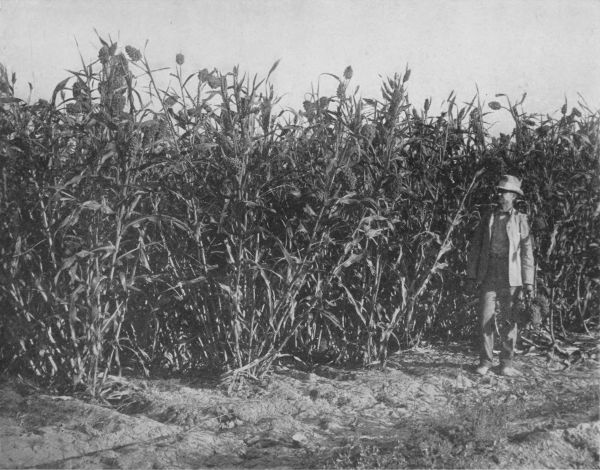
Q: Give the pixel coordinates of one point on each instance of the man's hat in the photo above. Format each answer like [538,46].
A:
[510,183]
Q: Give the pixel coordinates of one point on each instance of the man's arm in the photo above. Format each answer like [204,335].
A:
[527,264]
[475,251]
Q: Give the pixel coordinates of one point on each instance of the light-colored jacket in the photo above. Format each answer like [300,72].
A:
[520,256]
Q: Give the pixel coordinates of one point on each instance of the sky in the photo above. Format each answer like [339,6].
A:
[547,48]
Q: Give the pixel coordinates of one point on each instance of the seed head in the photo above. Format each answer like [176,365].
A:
[232,164]
[117,103]
[348,73]
[179,58]
[103,54]
[133,145]
[265,111]
[348,177]
[77,89]
[133,53]
[163,127]
[196,111]
[121,64]
[73,108]
[170,101]
[368,131]
[184,116]
[396,188]
[213,81]
[150,129]
[203,75]
[406,76]
[341,91]
[116,81]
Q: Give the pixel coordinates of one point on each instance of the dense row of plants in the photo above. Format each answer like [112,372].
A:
[196,226]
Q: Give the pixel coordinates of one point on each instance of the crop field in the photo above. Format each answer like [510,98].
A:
[192,228]
[200,227]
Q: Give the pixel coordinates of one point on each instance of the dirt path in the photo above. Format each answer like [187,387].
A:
[427,409]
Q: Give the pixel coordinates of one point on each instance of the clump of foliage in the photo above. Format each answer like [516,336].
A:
[468,437]
[197,226]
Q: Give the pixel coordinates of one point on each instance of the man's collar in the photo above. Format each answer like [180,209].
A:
[502,212]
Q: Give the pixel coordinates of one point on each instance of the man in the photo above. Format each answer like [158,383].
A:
[500,266]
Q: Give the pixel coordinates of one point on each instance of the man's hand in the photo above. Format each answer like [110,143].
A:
[528,288]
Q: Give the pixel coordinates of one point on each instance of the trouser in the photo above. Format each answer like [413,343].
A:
[496,291]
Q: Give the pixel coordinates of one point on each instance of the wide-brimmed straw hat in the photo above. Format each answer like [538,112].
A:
[510,183]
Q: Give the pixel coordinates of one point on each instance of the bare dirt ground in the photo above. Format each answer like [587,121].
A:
[426,409]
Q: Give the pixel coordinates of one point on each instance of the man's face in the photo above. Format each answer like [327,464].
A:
[505,198]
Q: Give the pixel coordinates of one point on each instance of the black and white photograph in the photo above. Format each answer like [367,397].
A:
[321,234]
